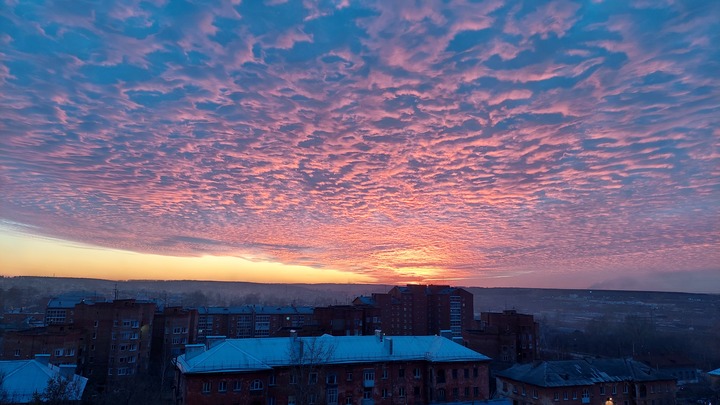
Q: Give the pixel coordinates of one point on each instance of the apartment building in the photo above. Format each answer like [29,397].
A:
[251,320]
[508,337]
[332,370]
[579,382]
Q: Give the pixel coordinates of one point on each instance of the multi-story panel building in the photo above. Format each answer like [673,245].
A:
[251,320]
[578,382]
[173,328]
[332,370]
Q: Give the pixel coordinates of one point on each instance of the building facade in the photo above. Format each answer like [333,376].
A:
[331,370]
[249,321]
[580,382]
[508,337]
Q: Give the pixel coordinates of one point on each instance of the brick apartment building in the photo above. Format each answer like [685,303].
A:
[331,370]
[579,382]
[508,337]
[117,339]
[251,320]
[173,328]
[62,343]
[417,310]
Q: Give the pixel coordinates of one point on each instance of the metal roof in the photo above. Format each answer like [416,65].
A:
[23,378]
[565,373]
[265,353]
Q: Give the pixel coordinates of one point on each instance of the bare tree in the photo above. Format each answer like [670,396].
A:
[59,390]
[308,358]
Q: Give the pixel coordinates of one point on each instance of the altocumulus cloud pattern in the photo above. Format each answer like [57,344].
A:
[402,141]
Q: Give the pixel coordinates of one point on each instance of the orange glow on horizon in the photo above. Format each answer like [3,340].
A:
[28,255]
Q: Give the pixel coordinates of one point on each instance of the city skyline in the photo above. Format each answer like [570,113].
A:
[500,143]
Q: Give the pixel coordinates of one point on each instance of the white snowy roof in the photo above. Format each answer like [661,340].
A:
[23,378]
[237,355]
[715,372]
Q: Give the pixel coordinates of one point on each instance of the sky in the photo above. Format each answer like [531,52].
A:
[554,144]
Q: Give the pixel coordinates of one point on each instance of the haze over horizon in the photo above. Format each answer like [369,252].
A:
[549,144]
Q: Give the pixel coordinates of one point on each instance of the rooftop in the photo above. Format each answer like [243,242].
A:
[266,353]
[23,378]
[567,373]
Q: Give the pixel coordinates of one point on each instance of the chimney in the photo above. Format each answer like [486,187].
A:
[193,350]
[67,371]
[388,346]
[378,335]
[213,341]
[43,359]
[447,334]
[293,333]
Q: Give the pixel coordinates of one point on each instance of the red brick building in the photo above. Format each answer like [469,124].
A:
[117,339]
[579,382]
[508,337]
[417,310]
[63,343]
[331,370]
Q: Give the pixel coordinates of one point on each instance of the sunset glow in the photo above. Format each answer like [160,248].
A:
[493,143]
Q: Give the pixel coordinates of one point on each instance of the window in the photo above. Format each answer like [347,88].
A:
[586,393]
[475,372]
[384,373]
[401,392]
[222,386]
[348,401]
[59,352]
[292,400]
[17,352]
[176,330]
[237,385]
[134,324]
[271,379]
[271,401]
[369,375]
[466,373]
[401,372]
[574,394]
[416,373]
[523,391]
[602,390]
[456,393]
[626,389]
[94,335]
[565,396]
[293,378]
[176,340]
[441,394]
[332,396]
[256,385]
[312,399]
[122,371]
[131,359]
[367,393]
[614,389]
[440,376]
[206,387]
[331,379]
[454,374]
[556,396]
[110,371]
[534,393]
[348,376]
[95,324]
[313,378]
[384,393]
[476,392]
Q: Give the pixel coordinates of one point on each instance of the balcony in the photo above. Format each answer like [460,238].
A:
[367,402]
[368,383]
[586,400]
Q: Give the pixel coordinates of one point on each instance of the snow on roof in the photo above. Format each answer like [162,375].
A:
[566,373]
[265,353]
[715,373]
[23,378]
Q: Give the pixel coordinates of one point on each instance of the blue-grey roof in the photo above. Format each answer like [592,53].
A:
[238,355]
[715,373]
[23,378]
[258,309]
[566,373]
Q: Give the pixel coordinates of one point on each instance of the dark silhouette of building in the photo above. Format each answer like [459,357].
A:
[577,382]
[62,343]
[420,310]
[251,320]
[508,337]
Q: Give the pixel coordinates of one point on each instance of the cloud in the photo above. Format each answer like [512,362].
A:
[479,141]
